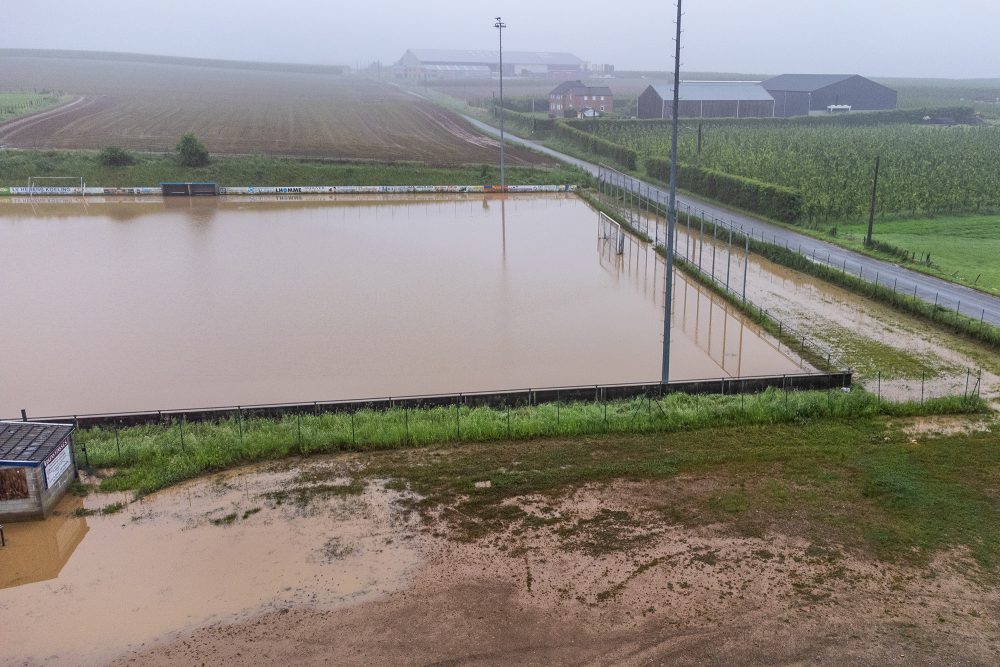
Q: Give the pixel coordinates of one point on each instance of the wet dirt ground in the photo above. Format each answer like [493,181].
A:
[273,565]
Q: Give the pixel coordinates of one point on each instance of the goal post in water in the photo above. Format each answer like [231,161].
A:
[50,185]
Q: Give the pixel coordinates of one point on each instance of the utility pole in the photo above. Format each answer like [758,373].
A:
[500,25]
[871,211]
[668,304]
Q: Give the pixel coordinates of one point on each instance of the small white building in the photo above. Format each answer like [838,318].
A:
[36,468]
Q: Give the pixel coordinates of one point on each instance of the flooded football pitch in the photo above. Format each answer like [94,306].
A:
[114,305]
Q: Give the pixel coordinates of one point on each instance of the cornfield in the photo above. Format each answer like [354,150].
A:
[925,169]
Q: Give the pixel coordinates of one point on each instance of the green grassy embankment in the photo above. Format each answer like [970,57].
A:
[152,457]
[150,170]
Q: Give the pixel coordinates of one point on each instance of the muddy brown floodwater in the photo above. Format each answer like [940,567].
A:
[82,589]
[120,305]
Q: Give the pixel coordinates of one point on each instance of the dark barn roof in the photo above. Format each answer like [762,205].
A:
[805,83]
[578,87]
[29,442]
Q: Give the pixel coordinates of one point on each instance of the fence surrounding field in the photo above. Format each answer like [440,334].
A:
[515,397]
[283,190]
[698,255]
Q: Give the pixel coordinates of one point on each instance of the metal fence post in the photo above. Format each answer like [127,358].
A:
[118,445]
[298,425]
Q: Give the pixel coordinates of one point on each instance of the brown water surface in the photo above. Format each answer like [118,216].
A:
[118,305]
[219,549]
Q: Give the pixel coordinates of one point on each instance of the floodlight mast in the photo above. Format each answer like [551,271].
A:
[500,25]
[668,302]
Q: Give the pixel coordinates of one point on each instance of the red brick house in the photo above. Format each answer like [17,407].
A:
[577,97]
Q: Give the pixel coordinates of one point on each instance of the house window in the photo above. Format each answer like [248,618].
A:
[602,98]
[602,107]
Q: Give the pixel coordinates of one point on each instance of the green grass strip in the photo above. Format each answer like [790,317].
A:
[151,457]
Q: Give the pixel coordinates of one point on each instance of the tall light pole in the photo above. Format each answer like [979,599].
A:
[500,25]
[668,302]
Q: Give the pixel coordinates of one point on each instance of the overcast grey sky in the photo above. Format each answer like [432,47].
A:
[955,39]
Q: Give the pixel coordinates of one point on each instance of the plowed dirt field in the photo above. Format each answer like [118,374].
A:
[149,106]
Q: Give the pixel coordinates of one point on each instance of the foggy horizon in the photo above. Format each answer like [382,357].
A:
[769,37]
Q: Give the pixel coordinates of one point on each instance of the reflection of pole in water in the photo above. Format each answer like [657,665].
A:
[739,354]
[697,318]
[503,227]
[725,339]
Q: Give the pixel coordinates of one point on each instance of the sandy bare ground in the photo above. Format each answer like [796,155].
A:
[613,594]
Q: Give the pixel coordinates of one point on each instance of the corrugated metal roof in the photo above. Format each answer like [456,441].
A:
[456,56]
[716,91]
[30,442]
[804,83]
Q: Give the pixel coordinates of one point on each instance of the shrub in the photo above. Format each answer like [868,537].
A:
[115,156]
[191,152]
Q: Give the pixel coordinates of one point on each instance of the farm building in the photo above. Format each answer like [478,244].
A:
[442,63]
[708,99]
[36,468]
[575,96]
[802,94]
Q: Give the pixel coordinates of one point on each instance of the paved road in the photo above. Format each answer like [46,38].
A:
[968,301]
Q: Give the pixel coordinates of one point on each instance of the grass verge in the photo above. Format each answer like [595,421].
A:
[16,105]
[150,170]
[148,458]
[962,249]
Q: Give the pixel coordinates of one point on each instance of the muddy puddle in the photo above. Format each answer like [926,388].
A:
[898,356]
[155,304]
[81,589]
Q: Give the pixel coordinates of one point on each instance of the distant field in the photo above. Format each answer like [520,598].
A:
[148,106]
[968,246]
[15,105]
[982,94]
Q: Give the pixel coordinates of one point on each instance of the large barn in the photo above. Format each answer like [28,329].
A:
[708,99]
[448,63]
[802,94]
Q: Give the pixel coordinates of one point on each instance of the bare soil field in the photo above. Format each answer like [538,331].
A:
[442,556]
[149,106]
